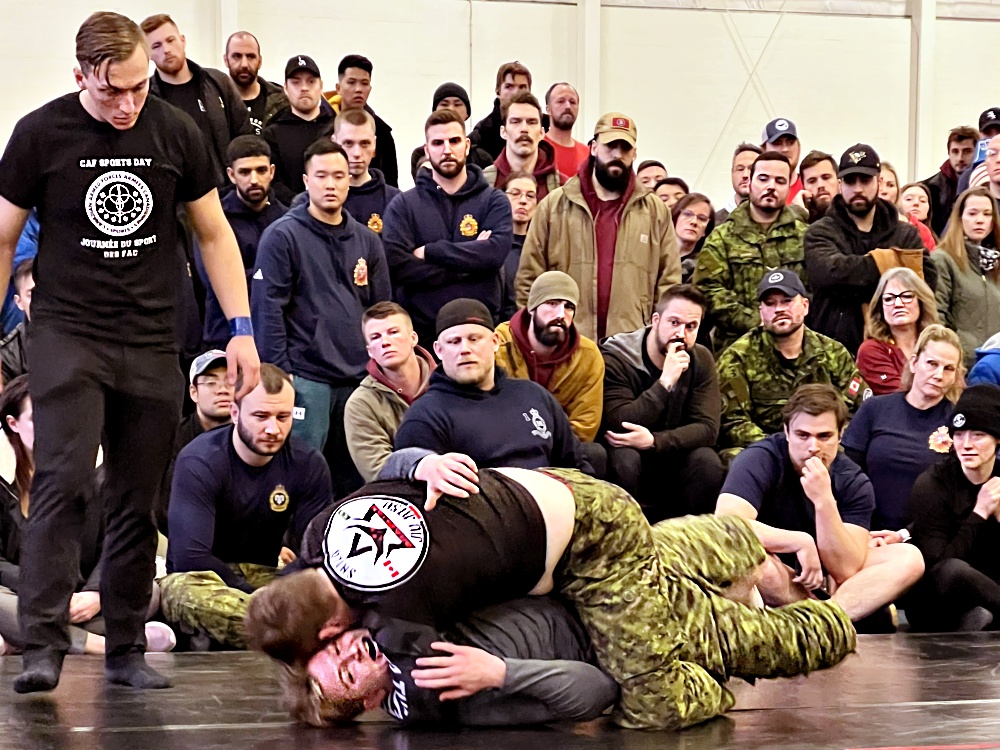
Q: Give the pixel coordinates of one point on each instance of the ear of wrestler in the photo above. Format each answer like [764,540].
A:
[452,474]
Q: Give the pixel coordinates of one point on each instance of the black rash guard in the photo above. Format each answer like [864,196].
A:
[386,555]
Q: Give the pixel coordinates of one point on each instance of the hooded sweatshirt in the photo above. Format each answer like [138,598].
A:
[987,367]
[516,423]
[311,285]
[455,263]
[843,276]
[683,419]
[546,173]
[248,226]
[289,136]
[367,203]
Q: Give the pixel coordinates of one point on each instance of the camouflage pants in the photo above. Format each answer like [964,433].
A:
[202,601]
[652,599]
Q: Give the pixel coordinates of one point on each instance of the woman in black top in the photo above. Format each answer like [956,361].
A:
[87,626]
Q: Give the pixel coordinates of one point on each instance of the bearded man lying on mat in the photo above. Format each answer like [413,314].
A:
[663,605]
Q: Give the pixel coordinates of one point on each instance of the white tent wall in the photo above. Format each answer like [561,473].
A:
[698,76]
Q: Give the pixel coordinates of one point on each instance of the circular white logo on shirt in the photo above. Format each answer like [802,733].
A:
[958,421]
[375,542]
[118,203]
[774,278]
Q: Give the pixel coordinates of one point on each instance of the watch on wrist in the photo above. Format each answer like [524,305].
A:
[240,327]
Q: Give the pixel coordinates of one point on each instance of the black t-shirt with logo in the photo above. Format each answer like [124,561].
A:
[257,107]
[108,267]
[223,510]
[385,554]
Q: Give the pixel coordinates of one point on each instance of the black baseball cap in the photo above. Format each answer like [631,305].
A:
[859,159]
[301,62]
[989,119]
[777,128]
[781,280]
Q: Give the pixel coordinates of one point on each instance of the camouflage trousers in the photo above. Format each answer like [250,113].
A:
[653,601]
[201,601]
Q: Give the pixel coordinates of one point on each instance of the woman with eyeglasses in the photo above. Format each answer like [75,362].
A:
[694,220]
[901,308]
[968,265]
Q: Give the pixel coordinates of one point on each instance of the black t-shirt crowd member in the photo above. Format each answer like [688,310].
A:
[107,266]
[102,356]
[257,109]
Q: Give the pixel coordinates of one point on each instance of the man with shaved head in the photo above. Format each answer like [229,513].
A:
[263,98]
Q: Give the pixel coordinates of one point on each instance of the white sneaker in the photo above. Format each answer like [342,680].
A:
[4,648]
[159,638]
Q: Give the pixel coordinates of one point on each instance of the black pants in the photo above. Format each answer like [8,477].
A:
[946,592]
[671,484]
[80,388]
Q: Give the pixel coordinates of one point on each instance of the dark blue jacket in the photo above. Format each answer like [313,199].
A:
[248,225]
[456,264]
[367,203]
[987,367]
[311,286]
[517,423]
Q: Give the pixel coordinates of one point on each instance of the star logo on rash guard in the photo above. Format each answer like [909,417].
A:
[118,203]
[375,542]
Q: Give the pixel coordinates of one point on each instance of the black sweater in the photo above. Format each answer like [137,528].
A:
[944,525]
[842,275]
[682,419]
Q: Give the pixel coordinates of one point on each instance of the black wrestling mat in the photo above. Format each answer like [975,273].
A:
[901,691]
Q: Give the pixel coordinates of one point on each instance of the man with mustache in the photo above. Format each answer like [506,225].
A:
[761,370]
[207,94]
[819,183]
[848,250]
[616,240]
[739,173]
[762,234]
[661,410]
[251,208]
[263,99]
[541,343]
[236,492]
[525,149]
[449,236]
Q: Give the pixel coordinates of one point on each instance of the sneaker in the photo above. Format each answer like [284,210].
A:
[5,649]
[159,638]
[976,619]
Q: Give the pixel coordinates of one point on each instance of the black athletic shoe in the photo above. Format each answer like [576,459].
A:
[880,622]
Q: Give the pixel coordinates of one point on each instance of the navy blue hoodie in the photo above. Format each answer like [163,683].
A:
[456,264]
[517,423]
[248,226]
[367,203]
[311,286]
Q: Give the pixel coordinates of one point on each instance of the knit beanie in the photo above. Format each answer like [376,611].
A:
[553,285]
[451,89]
[977,409]
[460,312]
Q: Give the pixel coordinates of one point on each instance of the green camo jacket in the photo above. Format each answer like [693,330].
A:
[735,258]
[755,384]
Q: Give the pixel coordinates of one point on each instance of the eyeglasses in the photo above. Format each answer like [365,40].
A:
[210,382]
[515,193]
[905,297]
[692,216]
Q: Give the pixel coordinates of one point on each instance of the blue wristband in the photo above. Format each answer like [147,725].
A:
[240,327]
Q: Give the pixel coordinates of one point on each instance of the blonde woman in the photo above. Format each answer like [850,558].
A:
[895,438]
[968,265]
[902,306]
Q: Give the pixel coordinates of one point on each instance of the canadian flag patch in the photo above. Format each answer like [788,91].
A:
[854,387]
[620,122]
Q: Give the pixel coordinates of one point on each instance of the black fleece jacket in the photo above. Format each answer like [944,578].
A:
[843,276]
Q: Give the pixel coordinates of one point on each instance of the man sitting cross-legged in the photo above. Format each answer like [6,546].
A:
[811,508]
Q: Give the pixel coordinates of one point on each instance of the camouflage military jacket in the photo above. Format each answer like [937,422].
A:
[733,261]
[755,384]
